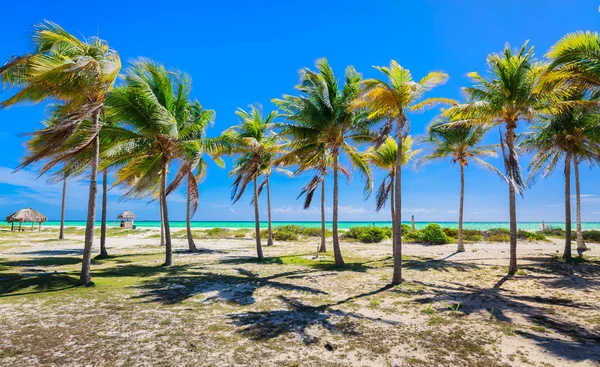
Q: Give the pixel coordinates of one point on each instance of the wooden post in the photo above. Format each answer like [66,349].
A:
[40,226]
[20,226]
[32,223]
[413,222]
[12,226]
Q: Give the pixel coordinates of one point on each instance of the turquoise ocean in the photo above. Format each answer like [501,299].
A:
[342,225]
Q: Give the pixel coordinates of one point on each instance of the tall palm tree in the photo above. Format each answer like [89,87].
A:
[192,126]
[149,107]
[567,137]
[508,95]
[392,100]
[385,157]
[79,75]
[321,120]
[254,142]
[462,144]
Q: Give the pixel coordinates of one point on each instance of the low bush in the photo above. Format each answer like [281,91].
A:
[468,234]
[553,231]
[531,236]
[592,235]
[413,236]
[433,234]
[369,234]
[217,232]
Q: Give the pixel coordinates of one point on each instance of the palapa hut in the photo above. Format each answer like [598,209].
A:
[26,215]
[127,218]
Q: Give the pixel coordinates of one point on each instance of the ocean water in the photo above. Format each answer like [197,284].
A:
[342,225]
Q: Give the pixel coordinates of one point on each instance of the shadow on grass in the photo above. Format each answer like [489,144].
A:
[12,284]
[307,260]
[43,261]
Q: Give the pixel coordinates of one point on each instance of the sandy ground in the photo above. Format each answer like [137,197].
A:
[221,307]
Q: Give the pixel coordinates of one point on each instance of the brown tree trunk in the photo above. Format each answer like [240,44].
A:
[165,210]
[85,276]
[103,252]
[337,254]
[188,221]
[61,232]
[580,242]
[461,245]
[393,211]
[269,229]
[12,226]
[162,222]
[259,252]
[397,275]
[568,236]
[510,141]
[323,247]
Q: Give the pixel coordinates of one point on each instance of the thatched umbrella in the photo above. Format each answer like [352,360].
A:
[127,218]
[26,215]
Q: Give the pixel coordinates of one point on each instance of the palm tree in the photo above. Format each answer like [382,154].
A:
[462,144]
[385,157]
[575,60]
[506,97]
[149,107]
[569,136]
[392,100]
[192,126]
[79,75]
[321,122]
[255,143]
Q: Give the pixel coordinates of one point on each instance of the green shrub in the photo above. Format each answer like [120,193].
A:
[282,235]
[468,234]
[553,231]
[433,234]
[497,237]
[592,235]
[369,234]
[405,229]
[413,236]
[530,236]
[217,232]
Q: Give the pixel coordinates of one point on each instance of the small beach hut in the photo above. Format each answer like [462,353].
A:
[26,215]
[127,218]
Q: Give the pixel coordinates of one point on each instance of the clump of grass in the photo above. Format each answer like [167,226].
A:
[369,234]
[428,310]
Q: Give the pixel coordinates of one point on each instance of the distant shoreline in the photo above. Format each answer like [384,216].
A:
[342,224]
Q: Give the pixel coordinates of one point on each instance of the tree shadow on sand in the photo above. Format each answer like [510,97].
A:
[172,289]
[298,318]
[576,342]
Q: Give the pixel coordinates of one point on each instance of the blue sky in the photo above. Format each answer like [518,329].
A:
[240,53]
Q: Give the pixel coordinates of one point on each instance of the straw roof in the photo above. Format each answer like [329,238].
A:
[26,215]
[126,215]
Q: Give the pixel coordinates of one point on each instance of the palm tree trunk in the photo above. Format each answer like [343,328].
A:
[323,248]
[259,252]
[85,276]
[510,141]
[188,222]
[165,211]
[397,276]
[580,242]
[61,233]
[568,236]
[162,225]
[103,252]
[461,245]
[269,229]
[393,210]
[337,254]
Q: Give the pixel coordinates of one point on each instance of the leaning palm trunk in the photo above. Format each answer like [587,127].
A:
[86,277]
[337,254]
[568,236]
[162,225]
[269,229]
[61,234]
[393,211]
[188,223]
[461,245]
[397,276]
[510,142]
[323,248]
[580,242]
[103,252]
[165,211]
[259,252]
